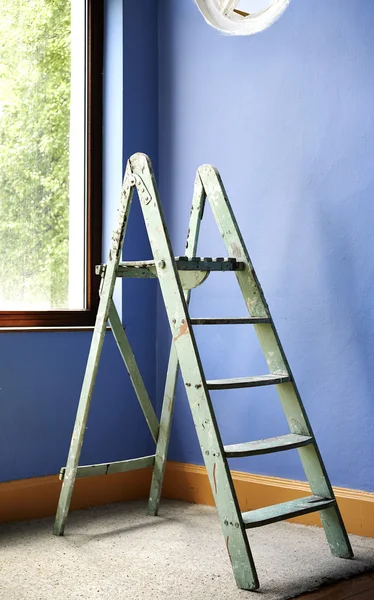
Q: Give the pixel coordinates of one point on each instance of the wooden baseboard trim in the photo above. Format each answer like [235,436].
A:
[38,497]
[190,483]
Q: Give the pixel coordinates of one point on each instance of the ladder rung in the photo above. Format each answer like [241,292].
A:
[115,467]
[267,446]
[285,510]
[244,382]
[231,321]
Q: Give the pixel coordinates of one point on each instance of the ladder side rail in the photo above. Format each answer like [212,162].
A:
[194,380]
[196,215]
[106,294]
[276,359]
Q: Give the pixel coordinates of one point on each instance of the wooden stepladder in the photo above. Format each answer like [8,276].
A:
[177,276]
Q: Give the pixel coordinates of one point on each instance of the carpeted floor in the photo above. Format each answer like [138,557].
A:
[118,553]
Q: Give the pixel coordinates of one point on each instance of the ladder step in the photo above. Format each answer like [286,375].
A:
[268,446]
[244,382]
[231,321]
[285,510]
[120,466]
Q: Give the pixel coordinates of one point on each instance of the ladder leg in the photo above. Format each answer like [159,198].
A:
[274,354]
[331,518]
[94,355]
[197,210]
[80,423]
[164,434]
[194,380]
[314,469]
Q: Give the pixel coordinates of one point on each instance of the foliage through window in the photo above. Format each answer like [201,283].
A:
[49,63]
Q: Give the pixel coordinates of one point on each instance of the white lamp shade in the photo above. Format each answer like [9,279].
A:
[241,17]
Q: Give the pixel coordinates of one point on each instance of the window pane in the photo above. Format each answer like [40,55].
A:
[42,161]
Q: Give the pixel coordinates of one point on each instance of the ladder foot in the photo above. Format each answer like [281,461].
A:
[344,552]
[336,534]
[62,513]
[345,555]
[152,508]
[250,584]
[58,529]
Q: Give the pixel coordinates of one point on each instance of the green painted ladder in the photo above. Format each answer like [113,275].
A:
[177,276]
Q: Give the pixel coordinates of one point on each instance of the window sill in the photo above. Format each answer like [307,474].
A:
[48,329]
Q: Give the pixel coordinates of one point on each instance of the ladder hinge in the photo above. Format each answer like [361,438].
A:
[100,270]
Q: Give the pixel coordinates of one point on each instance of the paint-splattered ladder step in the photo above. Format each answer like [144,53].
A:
[231,321]
[268,446]
[285,510]
[245,382]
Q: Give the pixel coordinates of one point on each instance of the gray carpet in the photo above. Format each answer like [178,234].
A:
[117,552]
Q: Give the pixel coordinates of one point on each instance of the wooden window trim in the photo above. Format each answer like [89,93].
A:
[76,318]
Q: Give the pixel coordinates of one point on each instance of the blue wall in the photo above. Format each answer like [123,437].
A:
[296,152]
[287,117]
[140,134]
[41,373]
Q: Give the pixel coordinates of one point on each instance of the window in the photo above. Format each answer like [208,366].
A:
[51,54]
[242,17]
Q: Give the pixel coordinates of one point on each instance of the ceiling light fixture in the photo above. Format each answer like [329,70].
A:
[241,17]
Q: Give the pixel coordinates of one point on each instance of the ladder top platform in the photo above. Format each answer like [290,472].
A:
[183,263]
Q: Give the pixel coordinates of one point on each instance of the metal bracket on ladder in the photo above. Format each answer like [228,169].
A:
[177,277]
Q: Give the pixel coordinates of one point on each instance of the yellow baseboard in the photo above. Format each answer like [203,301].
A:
[190,483]
[36,498]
